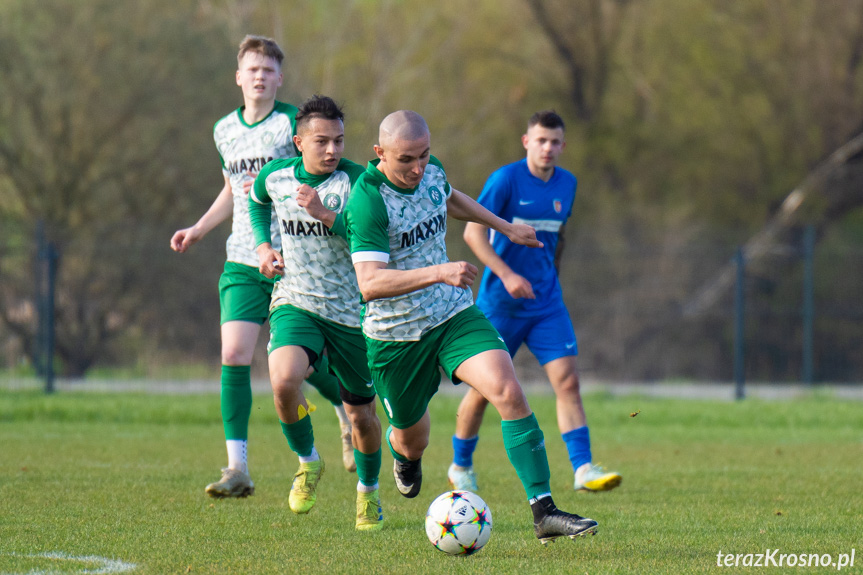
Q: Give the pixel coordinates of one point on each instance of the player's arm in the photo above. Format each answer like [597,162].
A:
[221,210]
[308,198]
[367,221]
[270,262]
[462,207]
[558,252]
[376,281]
[476,237]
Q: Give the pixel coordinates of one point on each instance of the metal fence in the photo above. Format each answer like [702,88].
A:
[795,315]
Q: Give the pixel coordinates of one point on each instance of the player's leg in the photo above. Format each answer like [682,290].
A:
[367,455]
[475,355]
[468,420]
[295,342]
[553,342]
[406,377]
[407,446]
[348,360]
[243,301]
[328,386]
[461,474]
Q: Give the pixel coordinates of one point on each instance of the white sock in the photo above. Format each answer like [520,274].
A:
[343,417]
[533,500]
[366,488]
[237,454]
[313,457]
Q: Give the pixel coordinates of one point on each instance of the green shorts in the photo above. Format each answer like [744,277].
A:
[406,373]
[244,294]
[346,348]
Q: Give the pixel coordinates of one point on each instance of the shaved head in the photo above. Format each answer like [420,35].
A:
[403,125]
[404,149]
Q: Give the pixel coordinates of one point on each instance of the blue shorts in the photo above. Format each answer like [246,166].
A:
[548,336]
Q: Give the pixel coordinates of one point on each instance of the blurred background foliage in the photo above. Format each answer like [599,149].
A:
[688,124]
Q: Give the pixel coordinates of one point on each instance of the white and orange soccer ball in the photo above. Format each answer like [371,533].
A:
[458,523]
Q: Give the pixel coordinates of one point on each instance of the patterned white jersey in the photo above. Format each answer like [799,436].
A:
[406,229]
[319,276]
[243,148]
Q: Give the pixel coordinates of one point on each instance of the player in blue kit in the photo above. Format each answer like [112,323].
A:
[521,295]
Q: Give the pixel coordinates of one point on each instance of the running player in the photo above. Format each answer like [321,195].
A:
[259,131]
[419,313]
[315,303]
[520,294]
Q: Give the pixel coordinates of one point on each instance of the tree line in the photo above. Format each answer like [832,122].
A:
[688,124]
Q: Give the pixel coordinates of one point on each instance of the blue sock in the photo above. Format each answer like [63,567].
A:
[463,451]
[578,445]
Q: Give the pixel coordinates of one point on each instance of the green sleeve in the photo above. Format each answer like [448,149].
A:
[261,207]
[339,227]
[366,219]
[353,170]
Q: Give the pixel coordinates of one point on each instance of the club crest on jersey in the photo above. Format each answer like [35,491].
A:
[268,138]
[332,202]
[435,195]
[558,206]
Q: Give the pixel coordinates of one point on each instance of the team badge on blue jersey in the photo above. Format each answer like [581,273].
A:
[558,206]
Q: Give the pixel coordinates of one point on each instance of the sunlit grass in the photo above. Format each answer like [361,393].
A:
[121,476]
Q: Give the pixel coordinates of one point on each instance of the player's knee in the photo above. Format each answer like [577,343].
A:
[364,418]
[413,447]
[236,356]
[285,385]
[569,387]
[511,396]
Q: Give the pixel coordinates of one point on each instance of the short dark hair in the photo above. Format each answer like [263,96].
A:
[546,119]
[318,107]
[262,45]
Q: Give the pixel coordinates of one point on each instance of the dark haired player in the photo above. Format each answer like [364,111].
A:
[521,296]
[315,302]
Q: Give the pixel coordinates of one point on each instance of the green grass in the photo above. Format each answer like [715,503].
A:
[121,476]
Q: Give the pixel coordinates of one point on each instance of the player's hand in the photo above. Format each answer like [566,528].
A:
[524,235]
[183,239]
[517,286]
[458,274]
[249,181]
[307,197]
[271,262]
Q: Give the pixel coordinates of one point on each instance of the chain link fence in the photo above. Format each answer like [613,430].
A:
[144,312]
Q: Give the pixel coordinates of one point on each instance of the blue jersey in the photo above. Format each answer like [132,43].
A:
[517,196]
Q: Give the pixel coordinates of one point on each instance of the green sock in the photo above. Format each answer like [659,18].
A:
[525,447]
[368,466]
[236,400]
[325,382]
[396,455]
[301,436]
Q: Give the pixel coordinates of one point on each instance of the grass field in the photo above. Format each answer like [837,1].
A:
[85,476]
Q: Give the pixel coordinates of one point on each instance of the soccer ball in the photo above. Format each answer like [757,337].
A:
[458,523]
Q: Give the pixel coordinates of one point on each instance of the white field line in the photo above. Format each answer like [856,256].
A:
[104,566]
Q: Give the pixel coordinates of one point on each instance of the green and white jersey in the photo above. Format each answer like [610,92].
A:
[243,148]
[406,229]
[319,276]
